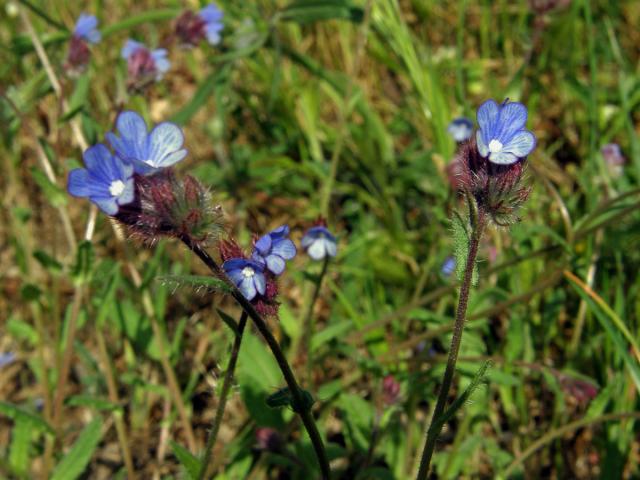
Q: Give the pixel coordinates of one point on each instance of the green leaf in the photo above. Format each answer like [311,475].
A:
[308,11]
[212,284]
[47,261]
[55,195]
[199,99]
[189,461]
[78,98]
[93,402]
[228,320]
[20,414]
[75,462]
[19,450]
[84,261]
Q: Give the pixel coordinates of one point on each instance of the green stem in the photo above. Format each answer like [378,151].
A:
[298,402]
[308,323]
[434,429]
[226,388]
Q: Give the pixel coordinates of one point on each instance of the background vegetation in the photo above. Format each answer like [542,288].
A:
[337,109]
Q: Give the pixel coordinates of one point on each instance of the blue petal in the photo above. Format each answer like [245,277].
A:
[275,263]
[308,239]
[101,164]
[78,183]
[483,148]
[285,248]
[487,119]
[162,64]
[234,264]
[248,288]
[164,140]
[213,33]
[129,47]
[236,276]
[260,283]
[503,158]
[521,144]
[85,24]
[317,250]
[211,13]
[513,117]
[331,247]
[107,204]
[281,231]
[128,194]
[263,245]
[132,127]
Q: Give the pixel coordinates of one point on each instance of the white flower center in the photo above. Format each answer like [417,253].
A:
[248,272]
[116,188]
[495,146]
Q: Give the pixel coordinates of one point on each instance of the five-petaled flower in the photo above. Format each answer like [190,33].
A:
[107,181]
[318,242]
[247,275]
[212,16]
[273,249]
[502,137]
[460,129]
[147,152]
[144,65]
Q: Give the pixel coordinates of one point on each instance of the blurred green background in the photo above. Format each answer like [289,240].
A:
[336,108]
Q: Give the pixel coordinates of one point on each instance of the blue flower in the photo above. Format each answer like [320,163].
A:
[148,152]
[502,136]
[107,181]
[318,242]
[448,266]
[273,249]
[247,275]
[142,62]
[460,129]
[86,28]
[7,359]
[212,17]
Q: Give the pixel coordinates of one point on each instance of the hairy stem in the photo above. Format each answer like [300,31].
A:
[298,402]
[434,429]
[222,402]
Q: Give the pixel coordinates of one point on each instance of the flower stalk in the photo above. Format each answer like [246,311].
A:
[207,460]
[299,403]
[477,225]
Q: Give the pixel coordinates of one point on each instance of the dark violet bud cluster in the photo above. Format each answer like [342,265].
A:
[192,28]
[136,185]
[85,33]
[256,276]
[491,166]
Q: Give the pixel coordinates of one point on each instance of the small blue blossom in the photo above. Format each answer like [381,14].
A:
[87,28]
[460,129]
[247,275]
[319,242]
[107,181]
[448,266]
[7,358]
[142,62]
[273,249]
[502,136]
[148,152]
[212,17]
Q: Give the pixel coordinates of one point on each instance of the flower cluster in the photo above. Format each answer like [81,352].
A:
[491,166]
[85,32]
[136,185]
[144,65]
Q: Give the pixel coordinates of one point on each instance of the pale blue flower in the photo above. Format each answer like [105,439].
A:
[273,249]
[318,242]
[460,129]
[87,28]
[107,181]
[247,275]
[148,152]
[502,137]
[212,16]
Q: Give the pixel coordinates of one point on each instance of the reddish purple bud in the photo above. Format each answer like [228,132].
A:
[190,28]
[269,439]
[78,56]
[497,189]
[166,206]
[543,6]
[230,249]
[581,391]
[390,390]
[141,69]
